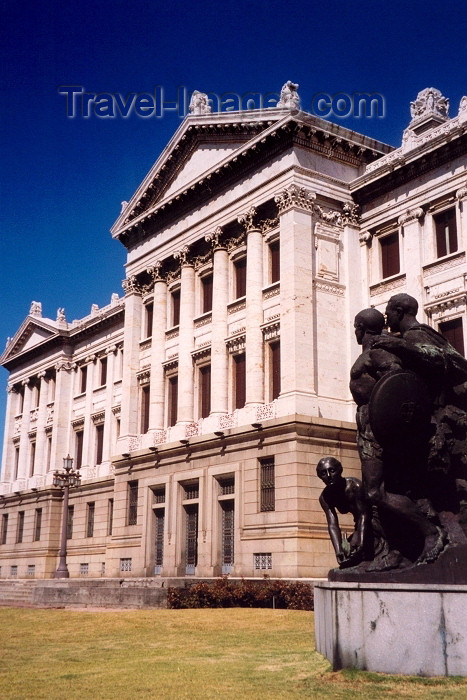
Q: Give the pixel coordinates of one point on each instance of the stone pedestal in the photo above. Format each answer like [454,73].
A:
[411,629]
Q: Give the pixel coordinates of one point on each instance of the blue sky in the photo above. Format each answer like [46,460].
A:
[63,179]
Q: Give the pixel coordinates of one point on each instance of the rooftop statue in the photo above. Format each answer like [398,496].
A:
[410,387]
[289,98]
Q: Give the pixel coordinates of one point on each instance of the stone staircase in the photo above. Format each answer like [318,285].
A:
[18,593]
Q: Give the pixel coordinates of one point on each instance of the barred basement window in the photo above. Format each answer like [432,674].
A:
[91,509]
[31,570]
[132,503]
[262,562]
[14,570]
[125,564]
[19,531]
[83,569]
[37,524]
[267,484]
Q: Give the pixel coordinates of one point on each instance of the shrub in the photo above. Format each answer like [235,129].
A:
[224,593]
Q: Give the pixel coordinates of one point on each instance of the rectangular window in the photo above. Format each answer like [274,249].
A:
[446,232]
[83,378]
[173,400]
[90,511]
[274,253]
[149,317]
[99,442]
[37,524]
[132,518]
[69,522]
[240,380]
[453,332]
[20,527]
[206,283]
[103,371]
[267,484]
[16,466]
[145,401]
[32,458]
[240,278]
[390,260]
[110,516]
[79,437]
[176,307]
[275,368]
[205,390]
[4,527]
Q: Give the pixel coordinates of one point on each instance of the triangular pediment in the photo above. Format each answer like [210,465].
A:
[32,332]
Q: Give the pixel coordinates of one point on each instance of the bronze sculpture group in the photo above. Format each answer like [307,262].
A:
[410,507]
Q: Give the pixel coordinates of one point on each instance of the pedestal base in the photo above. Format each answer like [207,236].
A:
[411,629]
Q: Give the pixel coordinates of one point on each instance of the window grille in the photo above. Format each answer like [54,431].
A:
[31,570]
[83,569]
[37,524]
[267,484]
[159,495]
[125,564]
[262,562]
[14,570]
[227,486]
[132,502]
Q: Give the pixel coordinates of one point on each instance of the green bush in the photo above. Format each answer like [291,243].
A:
[223,593]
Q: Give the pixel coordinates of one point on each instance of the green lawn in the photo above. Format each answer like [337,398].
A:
[232,653]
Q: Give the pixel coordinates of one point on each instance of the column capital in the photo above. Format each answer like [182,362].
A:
[295,197]
[249,221]
[182,256]
[214,238]
[132,286]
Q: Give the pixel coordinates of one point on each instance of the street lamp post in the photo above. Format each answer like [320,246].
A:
[65,480]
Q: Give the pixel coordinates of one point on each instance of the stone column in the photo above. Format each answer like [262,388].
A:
[8,458]
[254,357]
[411,249]
[298,351]
[131,340]
[220,298]
[41,437]
[159,325]
[185,337]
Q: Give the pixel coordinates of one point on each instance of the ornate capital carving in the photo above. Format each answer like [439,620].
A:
[248,220]
[155,271]
[411,215]
[294,196]
[131,286]
[182,256]
[214,239]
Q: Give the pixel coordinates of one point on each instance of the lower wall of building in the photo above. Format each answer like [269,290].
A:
[244,503]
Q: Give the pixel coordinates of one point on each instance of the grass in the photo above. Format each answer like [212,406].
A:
[234,653]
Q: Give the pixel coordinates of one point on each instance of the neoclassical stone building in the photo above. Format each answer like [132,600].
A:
[198,405]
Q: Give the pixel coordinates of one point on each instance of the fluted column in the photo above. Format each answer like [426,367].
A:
[186,328]
[254,309]
[298,382]
[219,357]
[131,340]
[8,459]
[23,471]
[159,324]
